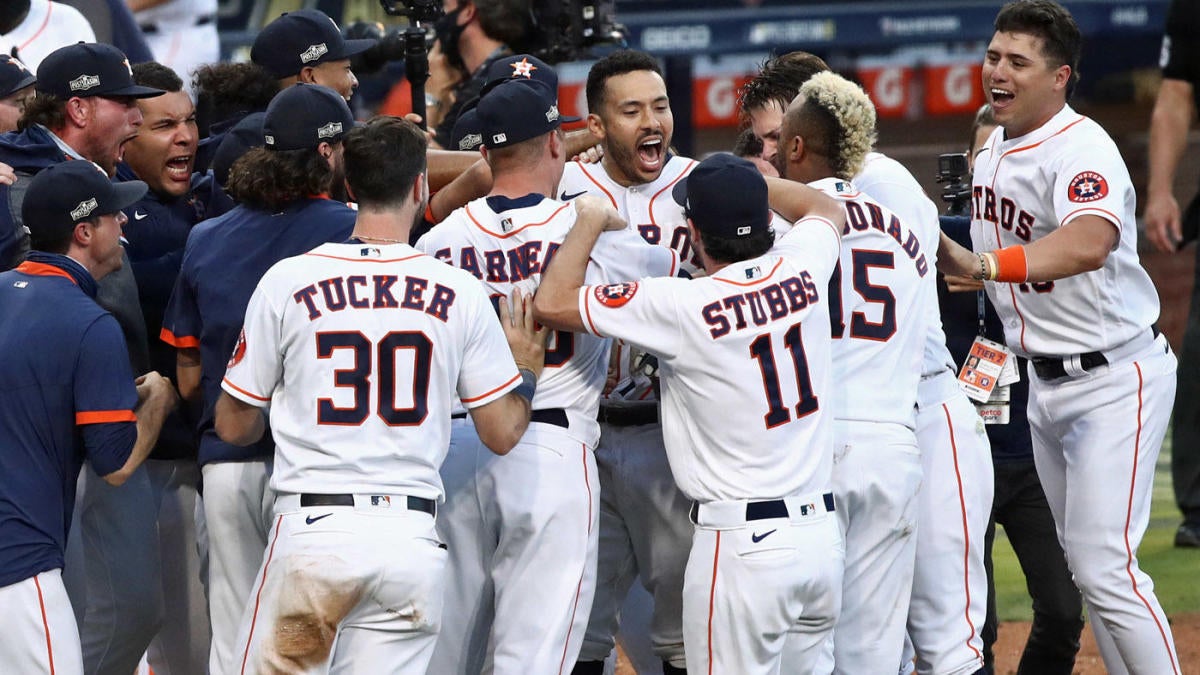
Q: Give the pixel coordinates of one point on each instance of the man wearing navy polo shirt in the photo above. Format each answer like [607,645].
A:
[67,393]
[284,210]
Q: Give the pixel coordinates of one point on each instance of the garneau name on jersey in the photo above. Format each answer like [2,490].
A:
[374,292]
[786,297]
[500,266]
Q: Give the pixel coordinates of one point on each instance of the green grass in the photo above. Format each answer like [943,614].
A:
[1173,570]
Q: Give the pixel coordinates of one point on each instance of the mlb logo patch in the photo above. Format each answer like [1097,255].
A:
[369,252]
[753,272]
[381,500]
[1087,187]
[616,295]
[506,224]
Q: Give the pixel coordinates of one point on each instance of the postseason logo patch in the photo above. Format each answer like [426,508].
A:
[1087,187]
[616,295]
[239,351]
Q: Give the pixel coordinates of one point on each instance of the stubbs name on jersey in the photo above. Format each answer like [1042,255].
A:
[769,303]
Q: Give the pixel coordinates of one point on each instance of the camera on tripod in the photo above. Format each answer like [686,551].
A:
[392,42]
[953,170]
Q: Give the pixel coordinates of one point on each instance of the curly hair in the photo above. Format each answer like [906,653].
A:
[269,180]
[779,80]
[837,120]
[227,91]
[45,109]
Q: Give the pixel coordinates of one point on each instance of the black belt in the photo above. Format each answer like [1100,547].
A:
[773,508]
[414,503]
[152,28]
[555,416]
[628,415]
[1049,368]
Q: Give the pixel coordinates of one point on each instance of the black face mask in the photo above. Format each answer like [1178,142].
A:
[448,32]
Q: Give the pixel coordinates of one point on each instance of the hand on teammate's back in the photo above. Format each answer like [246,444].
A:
[526,339]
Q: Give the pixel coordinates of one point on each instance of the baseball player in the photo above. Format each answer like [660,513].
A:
[764,573]
[1053,221]
[354,556]
[879,324]
[522,530]
[949,581]
[644,526]
[68,393]
[16,86]
[307,46]
[283,211]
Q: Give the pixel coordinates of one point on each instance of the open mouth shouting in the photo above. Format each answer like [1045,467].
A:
[651,151]
[1001,97]
[179,168]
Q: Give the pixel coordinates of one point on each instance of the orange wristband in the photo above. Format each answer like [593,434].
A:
[1010,265]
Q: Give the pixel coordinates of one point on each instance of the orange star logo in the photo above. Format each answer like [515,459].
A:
[523,68]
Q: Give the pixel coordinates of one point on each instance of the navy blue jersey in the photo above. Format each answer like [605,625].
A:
[66,393]
[27,152]
[222,263]
[155,235]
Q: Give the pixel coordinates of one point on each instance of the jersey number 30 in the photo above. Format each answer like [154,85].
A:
[383,363]
[762,351]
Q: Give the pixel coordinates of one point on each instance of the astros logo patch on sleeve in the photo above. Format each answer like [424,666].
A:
[239,350]
[1087,187]
[616,295]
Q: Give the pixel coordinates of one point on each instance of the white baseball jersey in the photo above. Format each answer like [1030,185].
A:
[744,360]
[887,182]
[1027,187]
[47,26]
[648,208]
[879,324]
[504,241]
[359,349]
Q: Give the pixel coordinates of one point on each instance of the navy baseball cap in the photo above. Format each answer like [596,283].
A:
[296,40]
[14,76]
[518,110]
[239,140]
[725,196]
[467,134]
[520,66]
[303,116]
[65,194]
[89,69]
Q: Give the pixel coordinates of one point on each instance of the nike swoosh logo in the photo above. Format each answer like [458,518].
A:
[138,215]
[759,537]
[312,519]
[564,197]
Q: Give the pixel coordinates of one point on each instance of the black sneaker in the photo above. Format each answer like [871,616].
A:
[1187,536]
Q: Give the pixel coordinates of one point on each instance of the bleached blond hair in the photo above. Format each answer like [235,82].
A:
[853,115]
